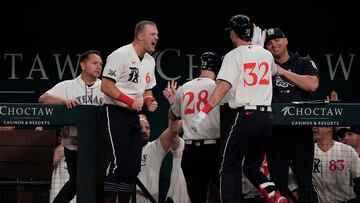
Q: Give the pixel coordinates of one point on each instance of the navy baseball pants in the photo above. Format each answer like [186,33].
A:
[247,139]
[123,146]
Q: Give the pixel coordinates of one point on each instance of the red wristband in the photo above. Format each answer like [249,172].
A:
[125,99]
[148,100]
[207,108]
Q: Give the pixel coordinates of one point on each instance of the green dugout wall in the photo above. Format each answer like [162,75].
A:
[90,145]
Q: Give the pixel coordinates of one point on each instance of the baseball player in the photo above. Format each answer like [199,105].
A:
[60,174]
[84,90]
[245,75]
[352,137]
[297,79]
[336,173]
[153,154]
[201,159]
[128,79]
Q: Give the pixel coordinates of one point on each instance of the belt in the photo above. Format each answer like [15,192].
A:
[256,108]
[258,197]
[200,142]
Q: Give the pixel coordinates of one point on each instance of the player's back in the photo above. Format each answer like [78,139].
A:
[249,70]
[190,98]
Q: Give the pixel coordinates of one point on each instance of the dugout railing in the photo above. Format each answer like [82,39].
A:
[89,180]
[84,117]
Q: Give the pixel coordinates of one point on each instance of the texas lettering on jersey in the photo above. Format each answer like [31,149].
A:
[90,99]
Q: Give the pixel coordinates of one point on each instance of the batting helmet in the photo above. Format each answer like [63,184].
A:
[210,61]
[242,26]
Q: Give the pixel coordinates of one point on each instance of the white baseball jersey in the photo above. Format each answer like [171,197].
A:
[334,171]
[249,70]
[189,100]
[86,95]
[178,191]
[152,157]
[131,76]
[59,177]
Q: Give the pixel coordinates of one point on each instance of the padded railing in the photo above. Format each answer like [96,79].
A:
[89,180]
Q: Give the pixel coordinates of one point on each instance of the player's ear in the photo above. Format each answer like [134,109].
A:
[82,65]
[140,36]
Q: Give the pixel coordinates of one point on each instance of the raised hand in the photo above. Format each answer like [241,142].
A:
[170,91]
[258,36]
[333,96]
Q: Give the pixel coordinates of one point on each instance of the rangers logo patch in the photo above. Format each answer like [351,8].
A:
[112,72]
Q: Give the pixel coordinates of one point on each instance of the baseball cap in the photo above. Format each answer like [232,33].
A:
[341,132]
[354,129]
[273,33]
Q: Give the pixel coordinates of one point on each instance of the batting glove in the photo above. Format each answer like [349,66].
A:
[197,120]
[258,37]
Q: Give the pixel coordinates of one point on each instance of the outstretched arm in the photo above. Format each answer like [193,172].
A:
[305,82]
[50,99]
[169,138]
[222,87]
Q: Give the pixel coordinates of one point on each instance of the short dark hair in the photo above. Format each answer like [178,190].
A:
[341,132]
[85,55]
[140,26]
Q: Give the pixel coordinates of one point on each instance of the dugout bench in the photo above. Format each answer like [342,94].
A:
[26,165]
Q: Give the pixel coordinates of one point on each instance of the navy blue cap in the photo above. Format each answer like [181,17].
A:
[355,129]
[273,33]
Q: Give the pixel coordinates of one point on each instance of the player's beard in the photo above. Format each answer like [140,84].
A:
[144,141]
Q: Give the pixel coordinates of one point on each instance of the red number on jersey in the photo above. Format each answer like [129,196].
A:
[254,76]
[189,110]
[201,99]
[336,165]
[147,77]
[263,80]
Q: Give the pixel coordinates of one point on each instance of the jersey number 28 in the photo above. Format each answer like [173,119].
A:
[193,101]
